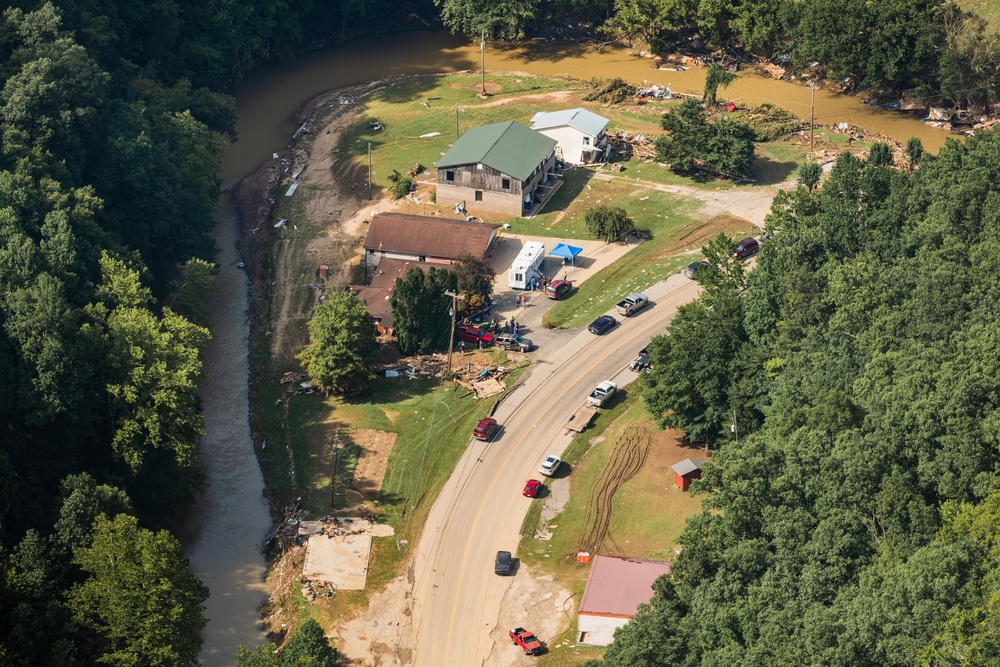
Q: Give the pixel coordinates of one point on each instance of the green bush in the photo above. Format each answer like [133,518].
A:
[400,185]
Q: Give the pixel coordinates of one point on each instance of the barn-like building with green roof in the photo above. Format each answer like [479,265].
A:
[503,168]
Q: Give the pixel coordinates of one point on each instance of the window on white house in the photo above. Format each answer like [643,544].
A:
[586,141]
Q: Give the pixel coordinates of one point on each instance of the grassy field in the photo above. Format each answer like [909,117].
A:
[667,252]
[988,9]
[449,105]
[433,421]
[648,511]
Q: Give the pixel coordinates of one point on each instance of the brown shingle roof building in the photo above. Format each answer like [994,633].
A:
[425,238]
[383,280]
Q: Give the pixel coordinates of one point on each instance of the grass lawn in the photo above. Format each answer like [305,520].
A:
[433,421]
[648,515]
[661,256]
[424,105]
[988,9]
[449,105]
[654,212]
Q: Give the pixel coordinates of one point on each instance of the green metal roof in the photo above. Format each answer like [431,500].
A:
[510,147]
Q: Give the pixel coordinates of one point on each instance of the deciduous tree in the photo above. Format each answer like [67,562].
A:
[610,223]
[475,281]
[139,604]
[342,354]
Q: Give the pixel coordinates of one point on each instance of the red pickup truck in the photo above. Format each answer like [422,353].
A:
[526,640]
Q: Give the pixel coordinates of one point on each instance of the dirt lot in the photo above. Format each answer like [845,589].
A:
[375,447]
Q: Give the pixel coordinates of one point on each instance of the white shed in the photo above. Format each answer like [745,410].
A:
[527,263]
[580,134]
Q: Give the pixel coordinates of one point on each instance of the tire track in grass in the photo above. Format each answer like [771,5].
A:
[624,463]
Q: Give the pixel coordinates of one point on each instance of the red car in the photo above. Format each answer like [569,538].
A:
[531,488]
[475,335]
[526,640]
[485,429]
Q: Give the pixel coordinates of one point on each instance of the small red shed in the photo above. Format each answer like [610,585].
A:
[687,471]
[731,107]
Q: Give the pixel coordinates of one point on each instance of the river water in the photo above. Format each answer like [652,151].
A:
[227,529]
[225,532]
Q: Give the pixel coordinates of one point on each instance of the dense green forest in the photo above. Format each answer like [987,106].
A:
[855,518]
[113,117]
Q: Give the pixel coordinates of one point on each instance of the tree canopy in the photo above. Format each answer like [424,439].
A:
[420,309]
[693,143]
[342,354]
[853,521]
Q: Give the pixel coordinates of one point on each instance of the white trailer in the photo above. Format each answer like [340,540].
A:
[528,262]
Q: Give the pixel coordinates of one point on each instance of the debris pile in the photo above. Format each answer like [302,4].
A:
[483,382]
[610,91]
[628,146]
[769,122]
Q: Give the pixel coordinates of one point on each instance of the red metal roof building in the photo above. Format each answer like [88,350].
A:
[615,589]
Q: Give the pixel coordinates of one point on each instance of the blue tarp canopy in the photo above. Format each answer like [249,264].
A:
[566,251]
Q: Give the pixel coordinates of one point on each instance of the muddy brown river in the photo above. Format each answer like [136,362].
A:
[226,531]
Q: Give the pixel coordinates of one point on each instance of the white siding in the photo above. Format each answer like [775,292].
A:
[597,630]
[570,141]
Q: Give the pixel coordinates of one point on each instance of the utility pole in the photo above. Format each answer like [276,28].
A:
[812,113]
[454,309]
[369,170]
[482,48]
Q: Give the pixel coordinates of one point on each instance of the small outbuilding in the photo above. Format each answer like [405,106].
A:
[687,471]
[615,589]
[581,135]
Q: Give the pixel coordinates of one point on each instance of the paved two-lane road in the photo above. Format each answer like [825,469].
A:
[480,510]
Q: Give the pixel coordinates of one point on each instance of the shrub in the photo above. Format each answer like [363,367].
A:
[400,185]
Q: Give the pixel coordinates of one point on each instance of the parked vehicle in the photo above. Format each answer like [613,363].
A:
[485,429]
[602,325]
[526,265]
[504,563]
[557,289]
[508,341]
[550,465]
[693,268]
[746,248]
[475,335]
[632,304]
[602,393]
[641,363]
[526,641]
[531,488]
